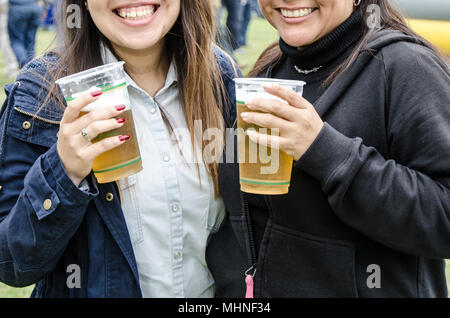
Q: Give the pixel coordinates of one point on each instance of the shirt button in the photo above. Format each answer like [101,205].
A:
[152,110]
[166,158]
[175,207]
[177,255]
[109,197]
[47,204]
[26,125]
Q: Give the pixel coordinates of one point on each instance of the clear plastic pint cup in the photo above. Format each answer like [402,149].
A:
[262,170]
[124,160]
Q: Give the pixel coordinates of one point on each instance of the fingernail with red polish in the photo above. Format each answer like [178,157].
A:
[121,107]
[123,138]
[96,93]
[120,120]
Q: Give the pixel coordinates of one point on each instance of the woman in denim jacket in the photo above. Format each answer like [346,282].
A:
[74,237]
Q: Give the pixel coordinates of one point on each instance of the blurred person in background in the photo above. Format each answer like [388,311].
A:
[246,18]
[24,17]
[48,17]
[234,22]
[222,32]
[9,60]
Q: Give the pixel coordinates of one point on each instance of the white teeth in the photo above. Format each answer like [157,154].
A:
[296,13]
[136,13]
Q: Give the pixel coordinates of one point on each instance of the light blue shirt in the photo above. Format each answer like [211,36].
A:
[169,208]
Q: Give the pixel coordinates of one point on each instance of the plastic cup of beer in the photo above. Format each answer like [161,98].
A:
[124,160]
[262,170]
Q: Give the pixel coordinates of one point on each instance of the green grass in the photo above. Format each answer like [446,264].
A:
[260,35]
[44,41]
[448,276]
[10,292]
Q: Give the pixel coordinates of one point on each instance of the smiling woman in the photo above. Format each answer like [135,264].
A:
[370,183]
[142,236]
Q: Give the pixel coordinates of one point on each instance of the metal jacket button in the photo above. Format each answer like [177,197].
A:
[109,197]
[26,125]
[47,204]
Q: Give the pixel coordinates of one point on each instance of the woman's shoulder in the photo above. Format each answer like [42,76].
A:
[28,94]
[39,66]
[228,67]
[404,53]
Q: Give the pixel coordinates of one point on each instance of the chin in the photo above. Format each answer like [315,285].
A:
[136,44]
[298,39]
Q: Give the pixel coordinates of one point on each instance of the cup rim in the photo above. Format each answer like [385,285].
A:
[262,80]
[90,72]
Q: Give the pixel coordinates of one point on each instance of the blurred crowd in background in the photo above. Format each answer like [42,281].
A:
[19,22]
[233,31]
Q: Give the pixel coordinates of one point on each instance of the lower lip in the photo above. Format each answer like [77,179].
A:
[137,22]
[297,20]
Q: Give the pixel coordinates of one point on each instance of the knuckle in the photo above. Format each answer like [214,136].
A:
[95,128]
[276,107]
[90,117]
[63,130]
[109,143]
[79,156]
[72,143]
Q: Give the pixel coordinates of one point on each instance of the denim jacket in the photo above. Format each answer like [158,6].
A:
[71,243]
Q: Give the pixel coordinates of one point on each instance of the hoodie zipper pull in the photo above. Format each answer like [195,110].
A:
[249,282]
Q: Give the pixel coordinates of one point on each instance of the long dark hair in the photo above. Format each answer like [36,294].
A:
[191,42]
[390,18]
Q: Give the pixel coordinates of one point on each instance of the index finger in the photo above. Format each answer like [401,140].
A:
[75,106]
[288,95]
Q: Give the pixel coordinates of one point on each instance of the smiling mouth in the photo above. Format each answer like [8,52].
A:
[136,13]
[298,13]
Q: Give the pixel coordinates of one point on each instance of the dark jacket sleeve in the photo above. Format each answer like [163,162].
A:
[33,235]
[403,201]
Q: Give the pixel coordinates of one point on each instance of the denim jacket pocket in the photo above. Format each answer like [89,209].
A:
[31,128]
[130,206]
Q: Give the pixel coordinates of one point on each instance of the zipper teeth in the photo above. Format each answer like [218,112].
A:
[250,230]
[36,116]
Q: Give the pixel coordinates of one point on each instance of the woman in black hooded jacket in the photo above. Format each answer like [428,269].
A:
[368,210]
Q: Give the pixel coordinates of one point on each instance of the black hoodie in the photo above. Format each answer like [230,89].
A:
[368,211]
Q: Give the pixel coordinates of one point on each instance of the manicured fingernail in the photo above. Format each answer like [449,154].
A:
[120,107]
[244,116]
[120,120]
[124,137]
[96,93]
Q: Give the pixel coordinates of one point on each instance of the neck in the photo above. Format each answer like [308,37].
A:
[328,48]
[148,68]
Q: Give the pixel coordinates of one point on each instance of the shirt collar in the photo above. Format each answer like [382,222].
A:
[109,57]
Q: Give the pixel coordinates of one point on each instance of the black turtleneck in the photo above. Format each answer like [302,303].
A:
[326,53]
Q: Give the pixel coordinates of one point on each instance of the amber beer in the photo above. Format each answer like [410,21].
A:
[124,160]
[262,170]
